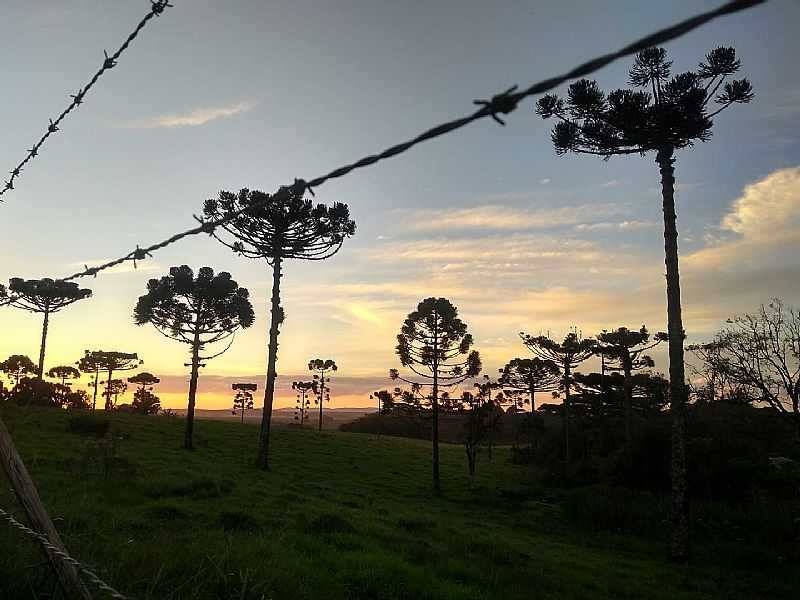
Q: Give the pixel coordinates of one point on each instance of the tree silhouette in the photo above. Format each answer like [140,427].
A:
[480,412]
[323,390]
[244,397]
[762,351]
[93,362]
[63,372]
[115,388]
[529,376]
[144,400]
[567,354]
[44,296]
[279,229]
[197,311]
[626,350]
[492,405]
[522,377]
[110,362]
[17,366]
[434,345]
[4,299]
[304,389]
[672,115]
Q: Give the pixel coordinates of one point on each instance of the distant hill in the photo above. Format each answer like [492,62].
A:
[332,418]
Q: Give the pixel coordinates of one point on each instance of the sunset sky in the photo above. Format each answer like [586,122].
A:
[255,94]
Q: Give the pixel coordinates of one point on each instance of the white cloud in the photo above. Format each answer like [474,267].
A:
[193,118]
[545,181]
[507,218]
[622,225]
[612,183]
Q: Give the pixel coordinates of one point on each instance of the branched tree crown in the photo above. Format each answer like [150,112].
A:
[280,228]
[44,295]
[182,307]
[434,340]
[624,346]
[666,111]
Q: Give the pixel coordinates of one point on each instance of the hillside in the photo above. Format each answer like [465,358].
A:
[340,515]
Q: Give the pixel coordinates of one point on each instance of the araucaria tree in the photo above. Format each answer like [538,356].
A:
[276,229]
[525,377]
[243,400]
[144,400]
[114,389]
[304,390]
[434,345]
[667,114]
[567,355]
[109,362]
[322,390]
[63,372]
[44,296]
[17,366]
[626,351]
[197,311]
[529,376]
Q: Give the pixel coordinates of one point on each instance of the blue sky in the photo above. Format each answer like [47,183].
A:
[254,94]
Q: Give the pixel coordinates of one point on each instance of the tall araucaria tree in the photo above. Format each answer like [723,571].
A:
[197,311]
[44,296]
[530,376]
[243,400]
[277,229]
[522,377]
[322,390]
[304,389]
[667,114]
[111,362]
[567,354]
[626,351]
[434,345]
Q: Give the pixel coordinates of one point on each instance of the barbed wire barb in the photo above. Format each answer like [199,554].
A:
[157,7]
[504,103]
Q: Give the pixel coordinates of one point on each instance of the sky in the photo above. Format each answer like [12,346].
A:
[251,94]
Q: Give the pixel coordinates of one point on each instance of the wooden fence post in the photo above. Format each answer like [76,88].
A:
[37,515]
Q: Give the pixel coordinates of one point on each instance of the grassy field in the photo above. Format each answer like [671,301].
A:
[339,515]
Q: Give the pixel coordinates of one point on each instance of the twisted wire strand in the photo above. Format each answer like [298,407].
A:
[42,539]
[502,103]
[109,62]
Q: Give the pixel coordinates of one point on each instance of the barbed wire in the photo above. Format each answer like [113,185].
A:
[502,103]
[42,539]
[109,62]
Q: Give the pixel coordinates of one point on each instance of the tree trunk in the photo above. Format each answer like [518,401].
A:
[533,418]
[437,490]
[94,397]
[321,396]
[628,384]
[565,418]
[272,358]
[40,370]
[679,547]
[189,433]
[108,405]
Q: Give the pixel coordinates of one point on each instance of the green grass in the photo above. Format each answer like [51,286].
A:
[338,516]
